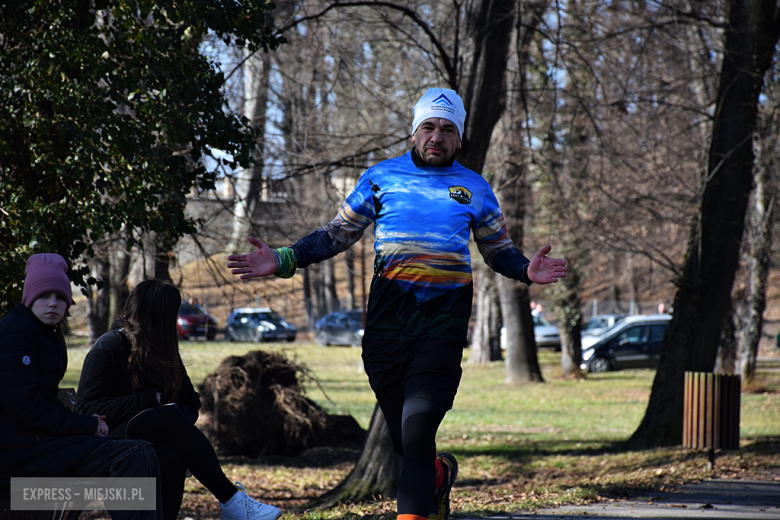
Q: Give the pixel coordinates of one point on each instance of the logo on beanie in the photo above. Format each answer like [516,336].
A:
[442,100]
[460,194]
[26,360]
[443,104]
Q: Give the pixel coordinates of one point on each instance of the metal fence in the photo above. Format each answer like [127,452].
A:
[595,307]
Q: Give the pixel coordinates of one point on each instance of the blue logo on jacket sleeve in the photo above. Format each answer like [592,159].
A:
[26,360]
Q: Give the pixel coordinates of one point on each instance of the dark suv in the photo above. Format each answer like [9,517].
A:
[258,324]
[635,342]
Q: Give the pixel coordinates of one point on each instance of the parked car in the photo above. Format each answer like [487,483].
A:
[545,334]
[597,326]
[258,324]
[340,328]
[193,321]
[635,342]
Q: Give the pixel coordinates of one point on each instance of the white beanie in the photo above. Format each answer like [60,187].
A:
[442,103]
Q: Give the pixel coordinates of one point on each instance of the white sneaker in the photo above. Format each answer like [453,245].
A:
[243,507]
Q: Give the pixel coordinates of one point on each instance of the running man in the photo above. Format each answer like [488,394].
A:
[424,206]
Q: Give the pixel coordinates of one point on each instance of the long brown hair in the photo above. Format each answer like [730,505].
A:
[150,317]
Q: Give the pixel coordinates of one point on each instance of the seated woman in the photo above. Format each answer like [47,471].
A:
[134,376]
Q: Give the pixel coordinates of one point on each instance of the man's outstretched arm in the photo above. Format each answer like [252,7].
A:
[259,263]
[541,269]
[544,270]
[321,244]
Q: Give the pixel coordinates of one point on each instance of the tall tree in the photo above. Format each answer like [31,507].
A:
[703,296]
[738,350]
[512,186]
[249,184]
[99,297]
[107,115]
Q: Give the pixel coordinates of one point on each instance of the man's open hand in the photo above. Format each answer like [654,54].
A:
[543,270]
[259,263]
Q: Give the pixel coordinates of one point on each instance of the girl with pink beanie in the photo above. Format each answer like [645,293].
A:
[39,436]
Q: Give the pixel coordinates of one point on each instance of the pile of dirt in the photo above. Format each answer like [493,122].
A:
[253,405]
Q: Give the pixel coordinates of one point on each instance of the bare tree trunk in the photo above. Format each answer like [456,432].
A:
[522,362]
[307,303]
[120,271]
[633,304]
[514,195]
[320,306]
[480,338]
[163,256]
[329,285]
[495,322]
[760,219]
[349,276]
[570,311]
[726,362]
[376,473]
[704,290]
[249,185]
[99,298]
[490,26]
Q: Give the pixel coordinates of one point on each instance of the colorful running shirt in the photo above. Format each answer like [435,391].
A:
[422,285]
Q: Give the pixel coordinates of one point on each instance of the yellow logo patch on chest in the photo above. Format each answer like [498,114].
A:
[460,194]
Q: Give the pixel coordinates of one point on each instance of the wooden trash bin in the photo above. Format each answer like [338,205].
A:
[711,411]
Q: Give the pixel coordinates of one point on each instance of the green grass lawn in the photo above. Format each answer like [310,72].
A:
[602,408]
[520,447]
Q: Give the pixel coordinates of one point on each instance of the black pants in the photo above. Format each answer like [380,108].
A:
[415,384]
[179,445]
[122,458]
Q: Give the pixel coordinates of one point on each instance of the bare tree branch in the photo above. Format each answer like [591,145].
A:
[449,66]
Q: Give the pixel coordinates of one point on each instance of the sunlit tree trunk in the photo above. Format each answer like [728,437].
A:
[482,334]
[569,309]
[376,473]
[759,237]
[249,184]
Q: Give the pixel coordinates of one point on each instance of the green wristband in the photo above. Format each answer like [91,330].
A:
[285,259]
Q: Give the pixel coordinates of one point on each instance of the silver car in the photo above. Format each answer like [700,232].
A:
[545,334]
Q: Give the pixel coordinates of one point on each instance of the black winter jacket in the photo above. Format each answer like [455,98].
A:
[39,436]
[105,386]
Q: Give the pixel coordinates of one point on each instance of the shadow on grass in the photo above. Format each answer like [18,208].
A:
[759,444]
[329,456]
[320,457]
[521,457]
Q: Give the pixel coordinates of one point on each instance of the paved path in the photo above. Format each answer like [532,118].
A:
[711,499]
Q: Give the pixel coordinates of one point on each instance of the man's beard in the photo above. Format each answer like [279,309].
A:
[433,160]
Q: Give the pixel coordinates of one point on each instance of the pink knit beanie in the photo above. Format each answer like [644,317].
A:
[46,273]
